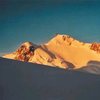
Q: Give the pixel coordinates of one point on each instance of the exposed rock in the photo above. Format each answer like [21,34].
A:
[25,51]
[95,47]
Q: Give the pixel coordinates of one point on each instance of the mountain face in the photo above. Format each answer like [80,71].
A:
[61,51]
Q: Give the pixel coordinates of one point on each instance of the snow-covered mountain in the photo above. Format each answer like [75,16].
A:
[61,51]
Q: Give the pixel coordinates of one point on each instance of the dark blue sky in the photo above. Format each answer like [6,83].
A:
[39,20]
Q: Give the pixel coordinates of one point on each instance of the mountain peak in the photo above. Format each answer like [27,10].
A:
[25,51]
[62,36]
[28,44]
[61,39]
[62,50]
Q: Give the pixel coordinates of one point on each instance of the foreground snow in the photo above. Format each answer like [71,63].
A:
[26,81]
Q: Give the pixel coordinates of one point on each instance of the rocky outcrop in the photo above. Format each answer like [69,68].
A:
[25,51]
[95,47]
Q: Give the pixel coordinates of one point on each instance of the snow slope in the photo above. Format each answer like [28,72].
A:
[26,81]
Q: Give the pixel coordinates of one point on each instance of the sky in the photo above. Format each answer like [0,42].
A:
[38,21]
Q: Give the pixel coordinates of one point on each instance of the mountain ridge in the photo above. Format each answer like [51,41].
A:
[61,51]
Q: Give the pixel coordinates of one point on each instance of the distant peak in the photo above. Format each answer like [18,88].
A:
[27,44]
[25,51]
[62,50]
[61,38]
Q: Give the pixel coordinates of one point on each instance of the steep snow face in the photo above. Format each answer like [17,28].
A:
[61,51]
[72,50]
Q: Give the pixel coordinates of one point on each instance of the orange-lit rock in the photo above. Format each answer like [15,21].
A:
[95,47]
